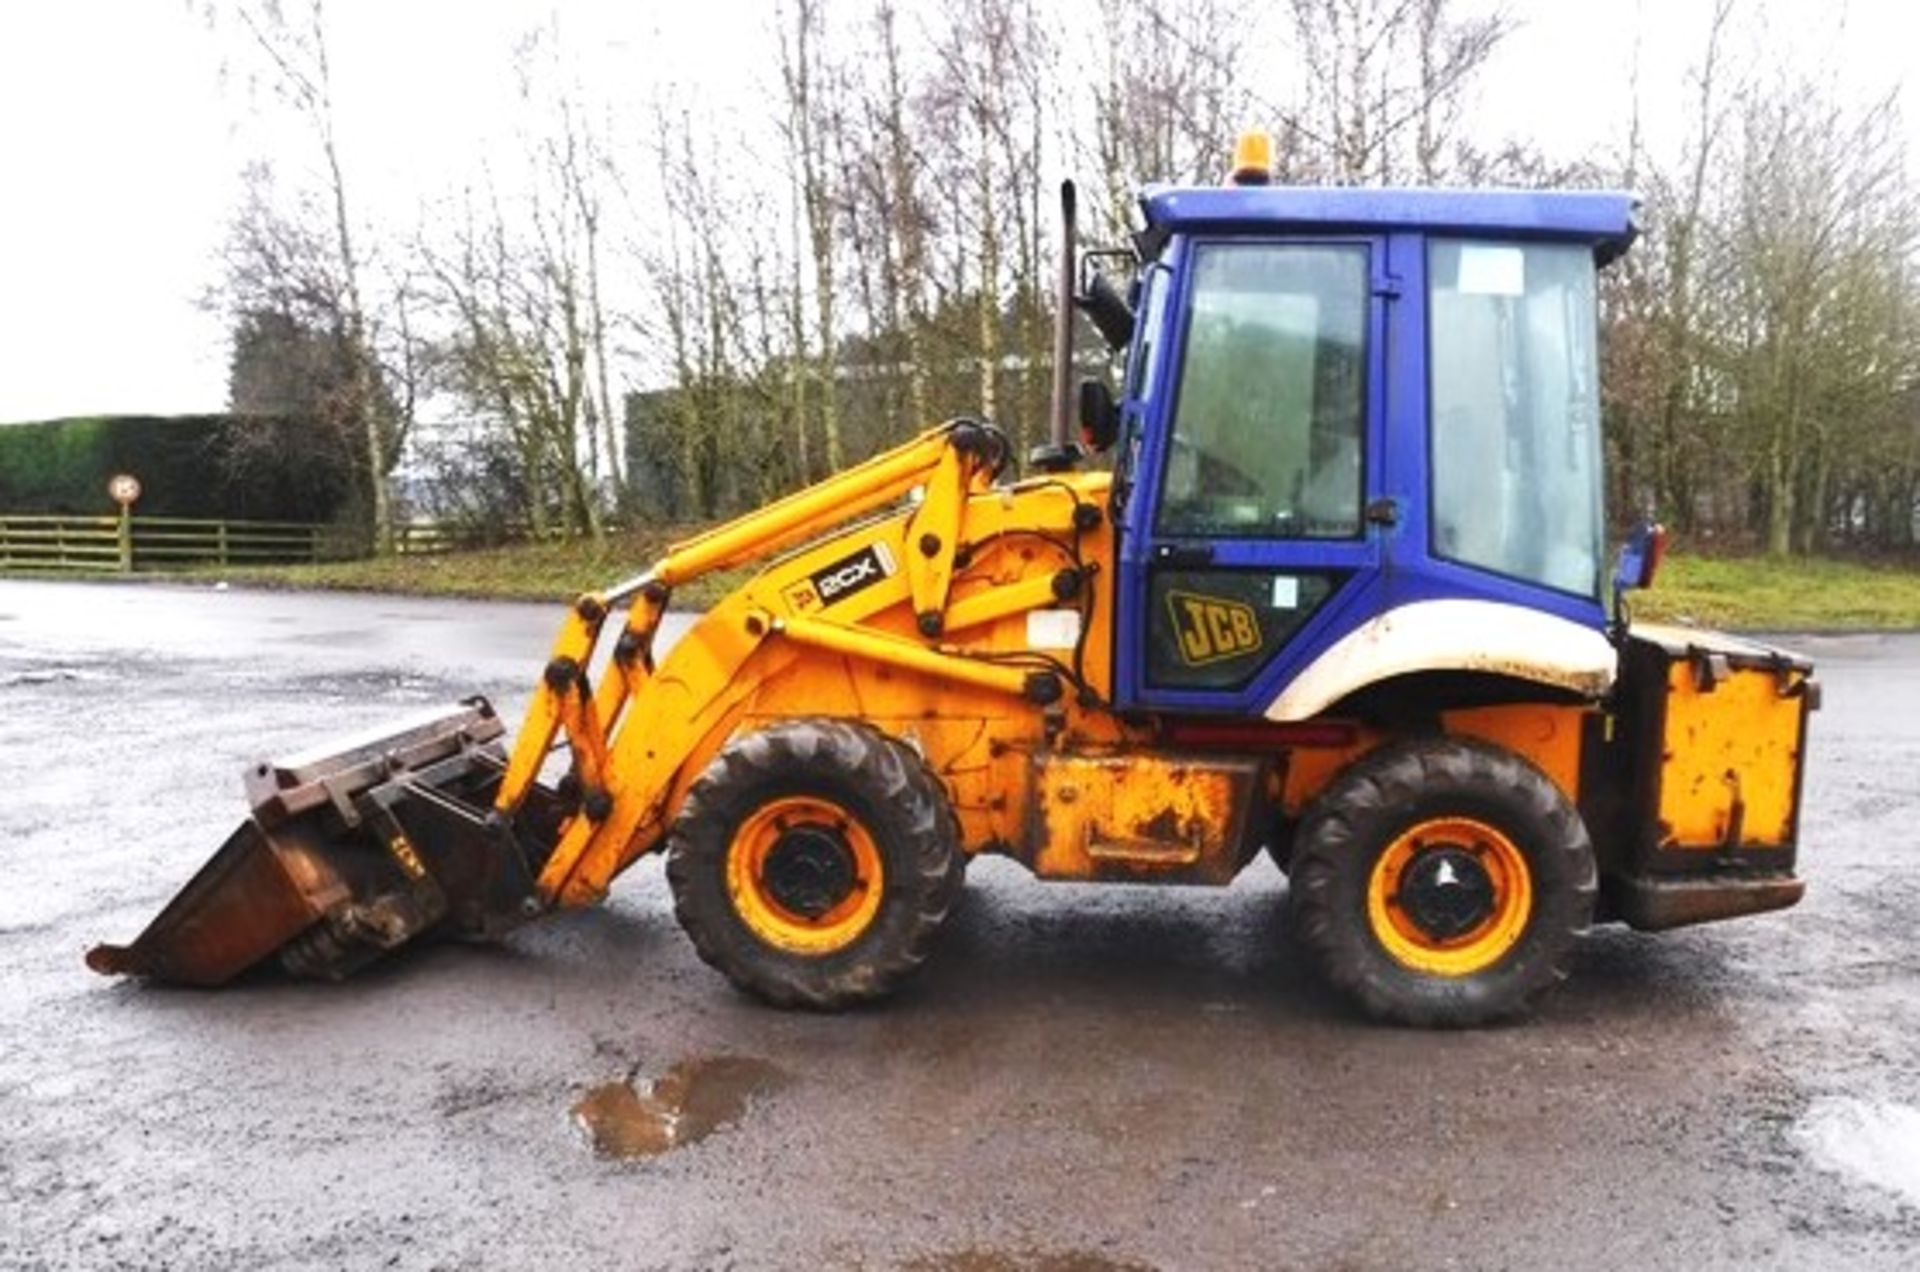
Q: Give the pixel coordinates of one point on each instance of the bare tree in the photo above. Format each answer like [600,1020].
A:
[906,218]
[296,52]
[580,158]
[724,425]
[1817,240]
[1173,95]
[813,122]
[987,96]
[519,349]
[1762,345]
[1385,80]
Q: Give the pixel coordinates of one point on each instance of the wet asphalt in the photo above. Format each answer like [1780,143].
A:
[1083,1079]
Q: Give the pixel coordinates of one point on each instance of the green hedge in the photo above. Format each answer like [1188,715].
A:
[183,463]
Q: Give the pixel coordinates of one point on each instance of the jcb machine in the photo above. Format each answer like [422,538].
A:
[1337,592]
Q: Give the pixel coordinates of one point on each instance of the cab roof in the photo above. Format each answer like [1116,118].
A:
[1604,218]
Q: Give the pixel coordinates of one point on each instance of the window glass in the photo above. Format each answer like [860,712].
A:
[1267,428]
[1515,410]
[1140,382]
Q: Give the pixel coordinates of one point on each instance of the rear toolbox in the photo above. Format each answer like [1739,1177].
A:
[1693,791]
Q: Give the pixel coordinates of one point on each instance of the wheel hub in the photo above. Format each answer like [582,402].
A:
[1446,892]
[809,870]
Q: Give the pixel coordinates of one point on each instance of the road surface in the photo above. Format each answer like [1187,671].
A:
[1083,1079]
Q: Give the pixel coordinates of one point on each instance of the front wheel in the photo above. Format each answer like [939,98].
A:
[813,862]
[1442,882]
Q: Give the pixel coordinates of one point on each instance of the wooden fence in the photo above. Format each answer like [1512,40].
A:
[108,545]
[424,538]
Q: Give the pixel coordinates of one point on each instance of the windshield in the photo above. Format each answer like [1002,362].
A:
[1515,410]
[1271,407]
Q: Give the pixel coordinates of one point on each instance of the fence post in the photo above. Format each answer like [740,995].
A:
[222,549]
[124,538]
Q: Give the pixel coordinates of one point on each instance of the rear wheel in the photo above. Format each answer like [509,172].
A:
[813,861]
[1442,881]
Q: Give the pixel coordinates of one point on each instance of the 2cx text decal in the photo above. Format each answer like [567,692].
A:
[1209,628]
[843,578]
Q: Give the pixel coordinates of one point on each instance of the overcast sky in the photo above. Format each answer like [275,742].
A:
[124,125]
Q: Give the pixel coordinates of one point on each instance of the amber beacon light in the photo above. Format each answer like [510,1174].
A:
[1252,159]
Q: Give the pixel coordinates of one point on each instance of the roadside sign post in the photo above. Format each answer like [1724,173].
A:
[125,488]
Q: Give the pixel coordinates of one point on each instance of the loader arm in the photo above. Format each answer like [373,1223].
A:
[632,735]
[359,846]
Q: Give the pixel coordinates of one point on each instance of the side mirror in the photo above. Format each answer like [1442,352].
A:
[1104,306]
[1099,416]
[1640,557]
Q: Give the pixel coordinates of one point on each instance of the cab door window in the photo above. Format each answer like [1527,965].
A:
[1268,422]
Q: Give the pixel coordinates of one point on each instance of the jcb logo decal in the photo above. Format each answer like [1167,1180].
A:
[845,577]
[849,577]
[1209,628]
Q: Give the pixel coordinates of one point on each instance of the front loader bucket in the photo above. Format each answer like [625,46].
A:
[254,896]
[351,851]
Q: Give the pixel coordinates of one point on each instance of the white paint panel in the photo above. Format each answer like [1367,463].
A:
[1053,628]
[1456,635]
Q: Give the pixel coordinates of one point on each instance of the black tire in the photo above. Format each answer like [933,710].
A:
[1380,798]
[900,803]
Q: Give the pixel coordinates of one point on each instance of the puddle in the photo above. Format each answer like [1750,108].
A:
[979,1260]
[682,1106]
[1873,1141]
[41,676]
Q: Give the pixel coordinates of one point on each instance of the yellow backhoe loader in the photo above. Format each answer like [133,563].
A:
[1336,591]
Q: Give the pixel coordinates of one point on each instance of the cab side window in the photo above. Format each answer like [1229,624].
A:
[1516,410]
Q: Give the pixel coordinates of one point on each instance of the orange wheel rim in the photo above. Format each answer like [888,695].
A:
[1450,896]
[805,875]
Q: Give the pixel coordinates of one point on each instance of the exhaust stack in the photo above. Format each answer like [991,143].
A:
[1060,453]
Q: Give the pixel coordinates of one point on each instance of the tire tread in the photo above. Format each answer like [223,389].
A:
[920,847]
[1357,816]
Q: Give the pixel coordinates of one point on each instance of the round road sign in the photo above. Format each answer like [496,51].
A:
[125,488]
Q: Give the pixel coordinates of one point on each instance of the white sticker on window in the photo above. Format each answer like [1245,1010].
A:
[1053,628]
[1286,592]
[1492,269]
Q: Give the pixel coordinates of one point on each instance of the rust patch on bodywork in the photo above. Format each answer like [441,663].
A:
[1729,772]
[1126,816]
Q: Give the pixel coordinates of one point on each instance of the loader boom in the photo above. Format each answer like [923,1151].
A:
[633,735]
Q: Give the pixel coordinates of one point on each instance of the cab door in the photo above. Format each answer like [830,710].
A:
[1253,528]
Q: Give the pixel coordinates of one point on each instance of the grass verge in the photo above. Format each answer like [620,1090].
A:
[1744,593]
[1802,594]
[556,571]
